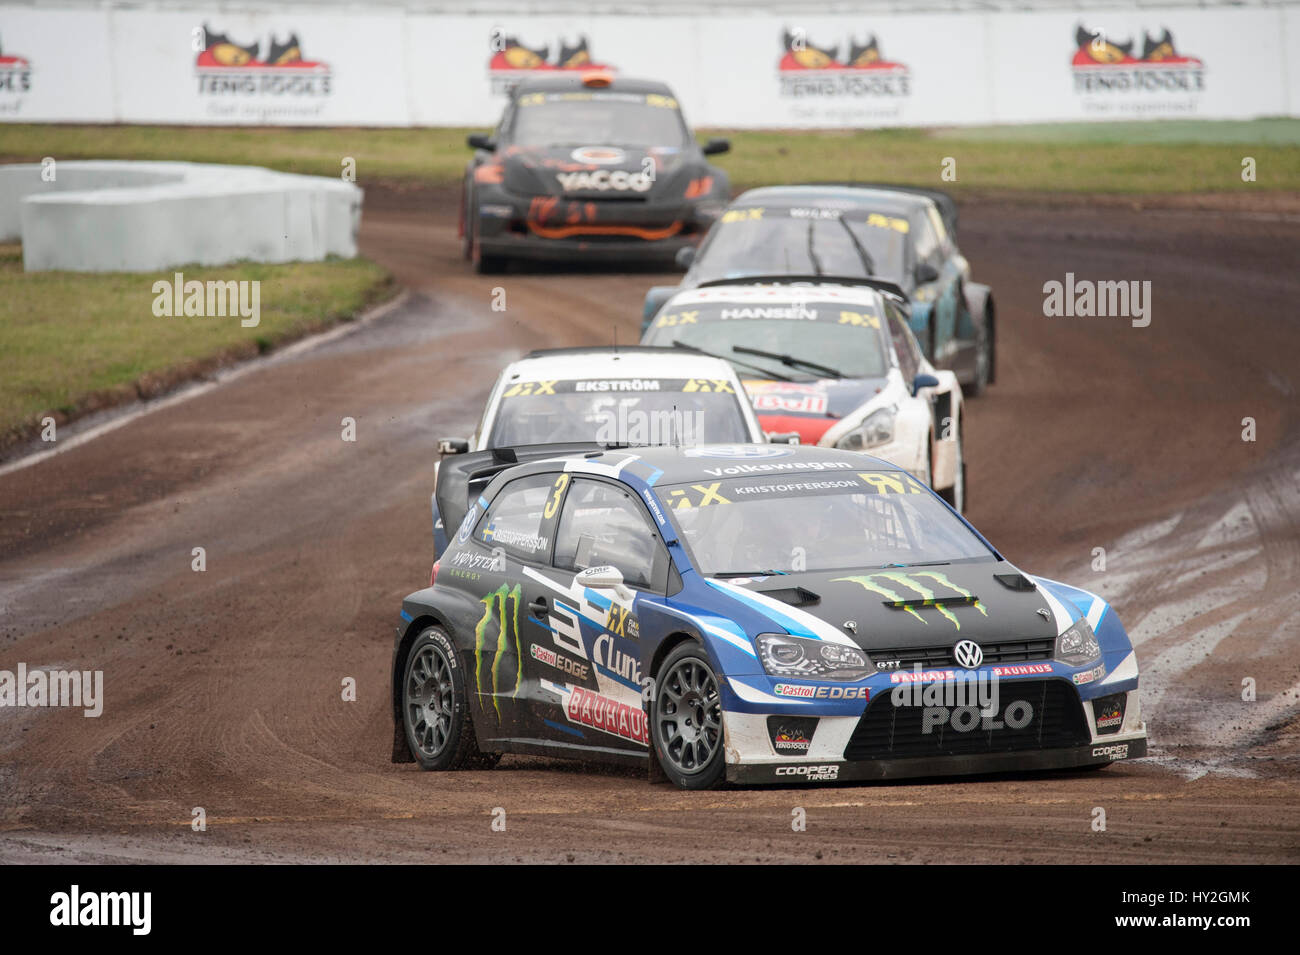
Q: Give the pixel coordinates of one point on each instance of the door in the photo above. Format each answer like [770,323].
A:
[590,665]
[518,532]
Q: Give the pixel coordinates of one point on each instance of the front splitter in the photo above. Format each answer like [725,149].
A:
[796,773]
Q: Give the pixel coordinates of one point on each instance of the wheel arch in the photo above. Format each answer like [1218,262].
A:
[666,646]
[427,618]
[979,300]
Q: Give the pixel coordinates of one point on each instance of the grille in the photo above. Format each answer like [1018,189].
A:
[888,731]
[1008,651]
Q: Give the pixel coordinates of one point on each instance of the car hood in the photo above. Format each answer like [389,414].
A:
[809,407]
[905,607]
[595,171]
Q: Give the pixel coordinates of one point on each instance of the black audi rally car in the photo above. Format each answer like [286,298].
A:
[589,165]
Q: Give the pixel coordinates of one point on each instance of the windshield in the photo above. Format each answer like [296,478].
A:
[838,341]
[636,411]
[607,119]
[833,519]
[803,241]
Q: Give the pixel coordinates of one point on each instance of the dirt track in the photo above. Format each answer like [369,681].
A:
[223,687]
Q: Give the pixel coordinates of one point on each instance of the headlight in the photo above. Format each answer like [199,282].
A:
[876,430]
[1078,646]
[784,655]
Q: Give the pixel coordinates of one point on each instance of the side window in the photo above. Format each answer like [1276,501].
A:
[904,343]
[521,516]
[940,230]
[604,524]
[927,243]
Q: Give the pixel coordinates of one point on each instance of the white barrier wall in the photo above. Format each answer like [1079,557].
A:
[144,216]
[325,66]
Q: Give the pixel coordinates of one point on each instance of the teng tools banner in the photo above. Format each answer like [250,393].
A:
[309,66]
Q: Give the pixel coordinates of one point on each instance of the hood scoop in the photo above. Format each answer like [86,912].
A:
[1015,581]
[794,596]
[968,599]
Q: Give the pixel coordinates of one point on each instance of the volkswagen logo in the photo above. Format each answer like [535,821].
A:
[968,654]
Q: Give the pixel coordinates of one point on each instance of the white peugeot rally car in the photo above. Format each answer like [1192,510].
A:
[612,396]
[833,360]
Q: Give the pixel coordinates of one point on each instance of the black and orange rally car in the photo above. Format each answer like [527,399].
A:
[587,165]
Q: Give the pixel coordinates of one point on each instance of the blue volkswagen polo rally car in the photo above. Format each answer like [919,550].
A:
[747,613]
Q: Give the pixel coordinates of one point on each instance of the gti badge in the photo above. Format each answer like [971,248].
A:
[968,654]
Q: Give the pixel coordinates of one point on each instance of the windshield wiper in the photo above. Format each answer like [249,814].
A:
[759,368]
[867,262]
[749,573]
[924,563]
[812,256]
[789,360]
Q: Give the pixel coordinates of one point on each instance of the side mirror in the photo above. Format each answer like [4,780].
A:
[926,273]
[782,437]
[923,381]
[453,446]
[481,141]
[716,147]
[684,257]
[654,300]
[605,577]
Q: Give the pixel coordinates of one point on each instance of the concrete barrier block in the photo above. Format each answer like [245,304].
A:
[141,217]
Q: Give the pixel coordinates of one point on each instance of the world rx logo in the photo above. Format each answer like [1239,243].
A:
[898,589]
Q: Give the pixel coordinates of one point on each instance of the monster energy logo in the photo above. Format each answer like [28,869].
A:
[494,607]
[884,583]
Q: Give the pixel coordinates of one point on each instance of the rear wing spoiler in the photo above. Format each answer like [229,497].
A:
[463,477]
[947,207]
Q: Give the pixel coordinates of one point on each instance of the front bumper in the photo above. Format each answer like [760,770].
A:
[871,744]
[787,772]
[545,228]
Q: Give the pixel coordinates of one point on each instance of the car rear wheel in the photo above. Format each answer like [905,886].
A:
[686,720]
[983,373]
[435,706]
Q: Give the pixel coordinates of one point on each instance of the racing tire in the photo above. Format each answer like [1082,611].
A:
[435,706]
[483,264]
[466,241]
[983,373]
[686,720]
[956,494]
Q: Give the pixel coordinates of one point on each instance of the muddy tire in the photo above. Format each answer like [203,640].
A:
[686,720]
[435,706]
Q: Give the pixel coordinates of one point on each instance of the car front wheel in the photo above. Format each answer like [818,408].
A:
[686,720]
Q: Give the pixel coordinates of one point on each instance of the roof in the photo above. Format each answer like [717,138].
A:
[881,200]
[571,364]
[709,462]
[567,80]
[862,296]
